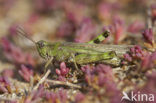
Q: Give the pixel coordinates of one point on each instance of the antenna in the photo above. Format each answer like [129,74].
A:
[22,32]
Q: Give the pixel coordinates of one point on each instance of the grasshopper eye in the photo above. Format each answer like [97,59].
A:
[41,44]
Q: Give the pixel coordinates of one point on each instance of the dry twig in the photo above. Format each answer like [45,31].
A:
[42,80]
[63,83]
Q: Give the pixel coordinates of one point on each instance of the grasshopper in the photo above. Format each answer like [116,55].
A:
[77,53]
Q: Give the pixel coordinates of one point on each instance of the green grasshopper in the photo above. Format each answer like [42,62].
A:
[77,53]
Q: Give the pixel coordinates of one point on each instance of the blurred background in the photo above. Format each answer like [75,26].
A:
[73,20]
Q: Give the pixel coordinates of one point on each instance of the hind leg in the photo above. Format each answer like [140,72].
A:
[92,58]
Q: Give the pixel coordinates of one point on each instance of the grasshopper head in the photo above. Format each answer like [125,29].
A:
[42,48]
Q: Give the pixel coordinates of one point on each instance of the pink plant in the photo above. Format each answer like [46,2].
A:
[3,89]
[35,95]
[153,12]
[15,54]
[149,61]
[12,29]
[45,5]
[33,18]
[61,78]
[105,9]
[4,84]
[146,60]
[39,93]
[151,83]
[102,76]
[136,27]
[102,72]
[26,72]
[148,35]
[135,53]
[118,29]
[8,4]
[8,73]
[127,57]
[60,96]
[88,72]
[51,97]
[72,14]
[65,29]
[62,72]
[63,69]
[150,86]
[86,31]
[79,97]
[11,101]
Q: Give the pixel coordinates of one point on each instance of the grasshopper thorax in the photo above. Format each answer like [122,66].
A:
[42,47]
